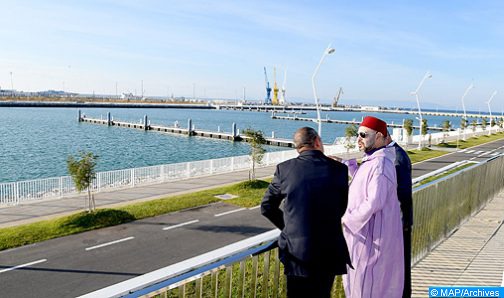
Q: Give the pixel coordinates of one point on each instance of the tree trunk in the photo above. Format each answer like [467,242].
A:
[89,200]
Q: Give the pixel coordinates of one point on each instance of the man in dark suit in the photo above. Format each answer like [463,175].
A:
[405,196]
[314,189]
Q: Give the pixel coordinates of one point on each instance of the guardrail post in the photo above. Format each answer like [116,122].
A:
[132,177]
[232,164]
[16,193]
[162,173]
[98,181]
[211,166]
[188,169]
[61,187]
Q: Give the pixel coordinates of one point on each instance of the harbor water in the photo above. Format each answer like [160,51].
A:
[35,142]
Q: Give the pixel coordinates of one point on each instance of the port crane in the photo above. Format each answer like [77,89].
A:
[337,98]
[275,88]
[282,95]
[267,100]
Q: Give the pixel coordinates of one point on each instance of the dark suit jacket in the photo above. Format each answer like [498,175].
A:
[315,190]
[404,187]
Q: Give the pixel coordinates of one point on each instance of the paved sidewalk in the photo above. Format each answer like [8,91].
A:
[472,256]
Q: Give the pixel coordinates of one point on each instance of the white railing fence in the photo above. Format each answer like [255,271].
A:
[14,193]
[449,136]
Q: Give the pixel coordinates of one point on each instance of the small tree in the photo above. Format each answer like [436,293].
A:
[463,123]
[492,122]
[484,123]
[425,127]
[350,134]
[408,126]
[446,128]
[474,123]
[256,140]
[82,170]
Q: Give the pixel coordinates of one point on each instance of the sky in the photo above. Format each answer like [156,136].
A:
[217,48]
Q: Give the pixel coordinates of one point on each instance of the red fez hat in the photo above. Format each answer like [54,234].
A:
[375,124]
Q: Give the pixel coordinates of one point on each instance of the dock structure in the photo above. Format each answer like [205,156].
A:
[303,108]
[348,122]
[189,131]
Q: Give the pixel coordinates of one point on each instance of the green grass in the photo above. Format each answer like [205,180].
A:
[424,154]
[474,141]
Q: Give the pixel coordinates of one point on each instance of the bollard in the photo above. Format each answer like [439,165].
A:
[218,128]
[273,134]
[233,130]
[189,127]
[80,117]
[145,122]
[109,119]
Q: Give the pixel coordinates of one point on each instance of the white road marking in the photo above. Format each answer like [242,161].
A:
[110,243]
[253,208]
[470,151]
[181,225]
[229,212]
[463,150]
[24,265]
[478,152]
[495,153]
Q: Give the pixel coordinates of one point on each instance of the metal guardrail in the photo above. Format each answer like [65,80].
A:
[439,208]
[14,193]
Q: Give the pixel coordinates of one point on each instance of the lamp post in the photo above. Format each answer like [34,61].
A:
[327,51]
[427,75]
[463,105]
[12,84]
[490,110]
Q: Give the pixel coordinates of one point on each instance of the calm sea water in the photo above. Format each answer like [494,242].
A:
[35,142]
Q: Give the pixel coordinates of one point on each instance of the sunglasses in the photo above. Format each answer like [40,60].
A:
[363,134]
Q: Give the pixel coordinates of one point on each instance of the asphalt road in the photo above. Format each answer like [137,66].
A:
[78,264]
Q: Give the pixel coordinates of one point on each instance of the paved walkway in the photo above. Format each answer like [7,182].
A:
[472,256]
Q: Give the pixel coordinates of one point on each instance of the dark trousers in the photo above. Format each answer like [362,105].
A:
[407,262]
[313,286]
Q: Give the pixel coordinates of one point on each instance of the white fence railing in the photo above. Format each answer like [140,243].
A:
[449,136]
[14,193]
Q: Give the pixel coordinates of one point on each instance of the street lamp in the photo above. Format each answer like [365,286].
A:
[12,84]
[427,75]
[327,51]
[490,110]
[463,105]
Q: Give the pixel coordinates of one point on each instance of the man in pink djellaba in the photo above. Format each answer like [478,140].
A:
[372,222]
